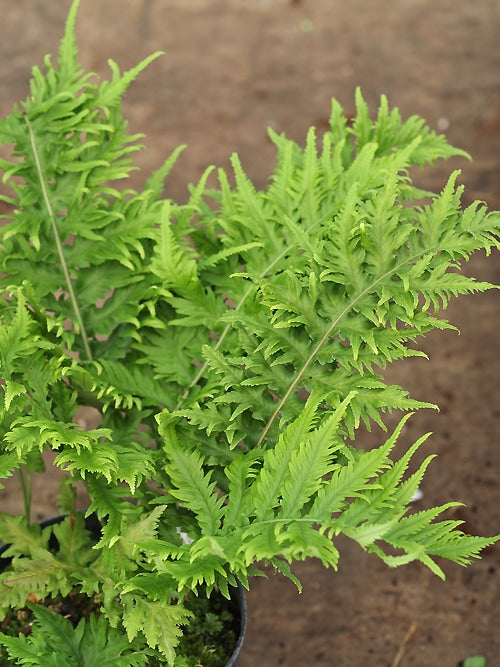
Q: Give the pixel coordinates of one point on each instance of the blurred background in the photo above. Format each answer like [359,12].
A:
[233,68]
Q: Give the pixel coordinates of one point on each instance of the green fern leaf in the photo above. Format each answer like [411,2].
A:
[239,474]
[19,535]
[101,459]
[172,263]
[311,462]
[159,622]
[351,480]
[111,92]
[267,487]
[189,483]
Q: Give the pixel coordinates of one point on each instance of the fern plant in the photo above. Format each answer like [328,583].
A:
[232,346]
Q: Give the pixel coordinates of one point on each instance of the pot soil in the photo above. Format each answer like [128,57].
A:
[213,640]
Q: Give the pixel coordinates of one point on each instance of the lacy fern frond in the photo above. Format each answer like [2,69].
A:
[289,502]
[347,274]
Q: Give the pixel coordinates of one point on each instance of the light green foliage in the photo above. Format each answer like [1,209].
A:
[196,331]
[55,643]
[475,661]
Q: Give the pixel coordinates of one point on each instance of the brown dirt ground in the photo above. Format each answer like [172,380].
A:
[232,68]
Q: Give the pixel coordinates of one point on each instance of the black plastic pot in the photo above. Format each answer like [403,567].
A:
[239,603]
[237,600]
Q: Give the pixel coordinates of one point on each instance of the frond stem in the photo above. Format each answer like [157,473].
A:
[26,491]
[59,247]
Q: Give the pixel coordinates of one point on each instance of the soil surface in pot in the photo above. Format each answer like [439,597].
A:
[233,68]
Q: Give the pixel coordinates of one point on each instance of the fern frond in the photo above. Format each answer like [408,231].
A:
[108,502]
[267,487]
[239,474]
[392,134]
[20,535]
[68,49]
[146,528]
[172,263]
[352,480]
[111,91]
[41,575]
[115,384]
[190,485]
[420,538]
[311,462]
[159,622]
